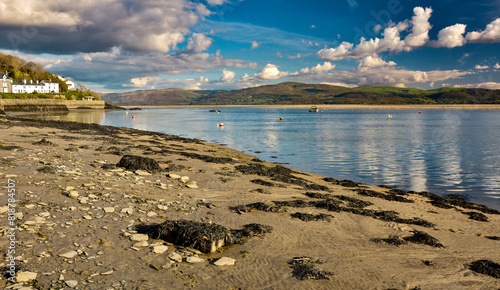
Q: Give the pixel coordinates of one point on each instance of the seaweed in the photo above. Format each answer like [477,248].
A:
[47,170]
[318,195]
[392,240]
[344,183]
[261,190]
[133,163]
[258,206]
[292,203]
[418,237]
[312,217]
[203,236]
[176,168]
[44,142]
[390,197]
[353,202]
[11,148]
[304,269]
[486,267]
[263,182]
[207,158]
[477,216]
[495,238]
[454,200]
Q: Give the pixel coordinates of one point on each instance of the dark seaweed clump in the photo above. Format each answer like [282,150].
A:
[258,206]
[477,216]
[203,236]
[133,163]
[176,168]
[207,158]
[390,197]
[418,237]
[293,203]
[486,267]
[453,200]
[344,183]
[11,148]
[47,170]
[263,182]
[312,217]
[495,238]
[261,190]
[281,174]
[44,142]
[304,269]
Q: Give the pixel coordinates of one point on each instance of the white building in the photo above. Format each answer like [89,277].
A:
[5,83]
[71,85]
[44,87]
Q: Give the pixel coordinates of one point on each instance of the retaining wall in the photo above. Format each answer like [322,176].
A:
[47,105]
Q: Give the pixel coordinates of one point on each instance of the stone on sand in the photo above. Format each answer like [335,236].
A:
[225,261]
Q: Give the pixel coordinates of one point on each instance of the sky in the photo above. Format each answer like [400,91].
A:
[128,45]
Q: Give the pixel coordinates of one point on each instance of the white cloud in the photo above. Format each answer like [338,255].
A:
[497,66]
[227,76]
[420,29]
[490,34]
[338,53]
[318,69]
[486,85]
[199,42]
[216,2]
[374,61]
[270,72]
[478,66]
[152,83]
[255,45]
[339,84]
[451,36]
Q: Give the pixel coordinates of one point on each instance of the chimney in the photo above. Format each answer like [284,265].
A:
[31,81]
[24,81]
[37,82]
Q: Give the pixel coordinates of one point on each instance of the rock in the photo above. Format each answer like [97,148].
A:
[87,217]
[3,209]
[25,276]
[141,244]
[173,176]
[151,214]
[139,237]
[133,163]
[225,261]
[175,257]
[160,249]
[69,255]
[184,179]
[109,209]
[73,194]
[71,283]
[69,188]
[107,273]
[127,210]
[192,184]
[195,260]
[142,173]
[44,214]
[83,200]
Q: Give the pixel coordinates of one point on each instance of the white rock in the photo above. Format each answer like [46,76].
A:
[151,214]
[174,176]
[73,194]
[29,206]
[24,276]
[194,260]
[10,176]
[69,188]
[3,209]
[107,273]
[184,179]
[109,209]
[225,261]
[139,237]
[127,210]
[83,200]
[44,214]
[160,249]
[175,257]
[69,255]
[141,244]
[192,184]
[87,217]
[142,173]
[71,283]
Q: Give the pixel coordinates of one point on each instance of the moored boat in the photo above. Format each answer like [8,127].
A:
[313,109]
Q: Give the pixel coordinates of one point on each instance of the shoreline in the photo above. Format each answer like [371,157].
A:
[83,237]
[353,106]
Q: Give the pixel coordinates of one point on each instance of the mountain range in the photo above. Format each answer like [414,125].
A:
[294,93]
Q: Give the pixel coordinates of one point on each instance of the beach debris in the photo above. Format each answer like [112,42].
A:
[390,197]
[204,237]
[11,148]
[454,200]
[312,217]
[495,238]
[486,267]
[304,269]
[293,203]
[47,170]
[261,190]
[281,174]
[418,237]
[44,142]
[477,216]
[428,263]
[225,261]
[133,163]
[257,206]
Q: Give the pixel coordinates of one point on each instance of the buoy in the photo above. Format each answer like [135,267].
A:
[133,116]
[420,112]
[126,113]
[389,116]
[281,118]
[265,110]
[220,125]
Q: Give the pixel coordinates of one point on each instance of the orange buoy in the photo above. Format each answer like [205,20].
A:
[220,125]
[133,116]
[265,110]
[281,118]
[420,112]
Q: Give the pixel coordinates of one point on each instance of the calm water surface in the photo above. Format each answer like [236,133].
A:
[440,151]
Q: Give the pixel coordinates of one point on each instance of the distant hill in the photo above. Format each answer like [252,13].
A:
[152,98]
[292,93]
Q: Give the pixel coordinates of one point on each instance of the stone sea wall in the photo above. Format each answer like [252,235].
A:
[44,105]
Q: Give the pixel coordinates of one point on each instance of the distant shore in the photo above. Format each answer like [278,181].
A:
[347,106]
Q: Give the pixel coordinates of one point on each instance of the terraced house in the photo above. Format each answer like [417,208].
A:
[24,87]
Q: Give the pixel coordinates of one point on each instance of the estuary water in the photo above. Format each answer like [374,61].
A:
[440,151]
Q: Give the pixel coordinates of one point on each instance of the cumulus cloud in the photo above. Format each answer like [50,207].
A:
[227,76]
[490,34]
[374,61]
[153,82]
[199,42]
[451,36]
[63,26]
[255,45]
[216,2]
[478,66]
[315,70]
[486,85]
[420,29]
[497,65]
[270,72]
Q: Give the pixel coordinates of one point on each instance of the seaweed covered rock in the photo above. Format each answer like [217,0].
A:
[304,269]
[257,206]
[477,216]
[205,237]
[44,142]
[418,237]
[486,267]
[133,163]
[312,217]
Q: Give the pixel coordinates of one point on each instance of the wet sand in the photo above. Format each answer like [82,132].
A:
[372,238]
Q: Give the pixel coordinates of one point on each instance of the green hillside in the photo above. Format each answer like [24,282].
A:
[153,98]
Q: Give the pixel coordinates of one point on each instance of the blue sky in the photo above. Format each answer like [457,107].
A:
[125,45]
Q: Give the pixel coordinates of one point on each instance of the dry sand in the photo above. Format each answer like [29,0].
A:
[105,257]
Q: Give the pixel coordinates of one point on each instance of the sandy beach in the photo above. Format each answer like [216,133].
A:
[80,219]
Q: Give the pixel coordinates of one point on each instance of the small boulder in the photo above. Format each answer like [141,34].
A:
[134,163]
[225,261]
[25,276]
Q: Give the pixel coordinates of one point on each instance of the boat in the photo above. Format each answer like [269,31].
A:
[313,109]
[215,111]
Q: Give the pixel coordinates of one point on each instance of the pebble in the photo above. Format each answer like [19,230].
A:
[225,261]
[139,237]
[3,209]
[142,173]
[151,214]
[184,179]
[71,283]
[127,210]
[141,244]
[109,209]
[160,249]
[175,257]
[107,273]
[194,259]
[192,184]
[69,255]
[73,194]
[174,176]
[25,276]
